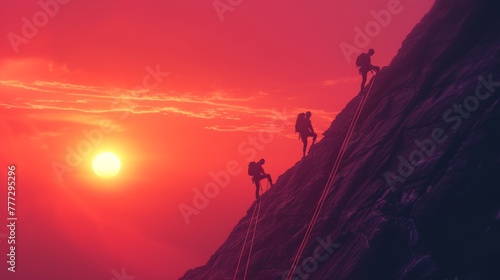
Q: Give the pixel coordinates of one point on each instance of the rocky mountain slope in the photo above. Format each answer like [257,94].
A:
[418,193]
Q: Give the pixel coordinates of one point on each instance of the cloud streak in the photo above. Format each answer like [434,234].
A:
[235,112]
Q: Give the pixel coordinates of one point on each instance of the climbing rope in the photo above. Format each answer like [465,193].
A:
[246,237]
[329,182]
[253,238]
[244,243]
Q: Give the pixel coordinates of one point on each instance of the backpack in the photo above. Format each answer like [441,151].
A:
[362,60]
[300,123]
[253,169]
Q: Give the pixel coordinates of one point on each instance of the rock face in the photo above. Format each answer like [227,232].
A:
[417,195]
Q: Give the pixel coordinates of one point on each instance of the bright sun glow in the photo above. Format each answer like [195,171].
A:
[106,165]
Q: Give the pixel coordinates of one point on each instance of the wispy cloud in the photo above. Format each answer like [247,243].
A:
[332,82]
[244,128]
[27,86]
[66,86]
[82,100]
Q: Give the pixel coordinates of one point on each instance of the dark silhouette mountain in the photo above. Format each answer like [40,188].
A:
[430,127]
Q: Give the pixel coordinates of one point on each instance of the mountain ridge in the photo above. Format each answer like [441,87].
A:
[391,215]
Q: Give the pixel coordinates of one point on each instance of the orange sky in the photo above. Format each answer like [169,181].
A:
[176,93]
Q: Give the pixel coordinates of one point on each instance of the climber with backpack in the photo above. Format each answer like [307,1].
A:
[365,64]
[305,129]
[257,172]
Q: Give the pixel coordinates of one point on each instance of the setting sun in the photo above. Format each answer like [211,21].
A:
[106,165]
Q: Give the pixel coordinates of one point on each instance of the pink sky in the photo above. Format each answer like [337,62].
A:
[213,87]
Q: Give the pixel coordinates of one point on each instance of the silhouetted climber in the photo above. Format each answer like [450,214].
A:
[257,172]
[364,63]
[305,129]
